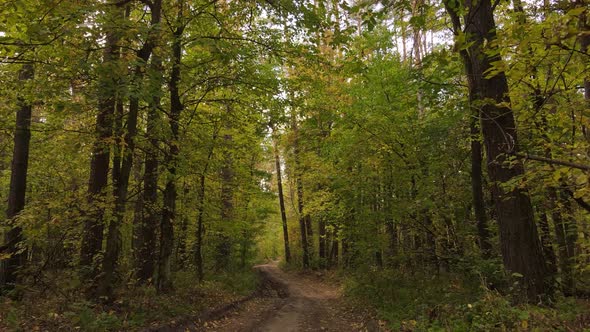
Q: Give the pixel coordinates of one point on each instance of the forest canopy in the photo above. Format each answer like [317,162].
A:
[154,144]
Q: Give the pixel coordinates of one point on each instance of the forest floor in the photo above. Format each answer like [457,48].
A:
[291,301]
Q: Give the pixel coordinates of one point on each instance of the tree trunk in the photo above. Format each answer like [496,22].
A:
[201,209]
[522,252]
[566,234]
[92,236]
[430,245]
[224,246]
[346,255]
[18,186]
[322,245]
[391,230]
[121,180]
[164,282]
[545,236]
[560,209]
[138,214]
[390,225]
[282,202]
[479,206]
[333,259]
[299,184]
[146,229]
[584,25]
[199,238]
[182,234]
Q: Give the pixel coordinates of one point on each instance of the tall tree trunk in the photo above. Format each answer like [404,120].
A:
[560,215]
[138,214]
[416,38]
[92,236]
[309,230]
[346,255]
[118,140]
[121,180]
[182,234]
[146,229]
[545,237]
[164,282]
[199,238]
[333,258]
[430,245]
[391,230]
[390,225]
[201,208]
[299,185]
[584,25]
[322,242]
[282,202]
[246,236]
[570,227]
[566,235]
[479,206]
[552,200]
[522,252]
[18,186]
[224,246]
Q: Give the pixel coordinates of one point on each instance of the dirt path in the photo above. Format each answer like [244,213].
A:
[300,303]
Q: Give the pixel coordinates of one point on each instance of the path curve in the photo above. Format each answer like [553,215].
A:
[300,303]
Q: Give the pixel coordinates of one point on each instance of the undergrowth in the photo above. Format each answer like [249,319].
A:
[453,302]
[61,307]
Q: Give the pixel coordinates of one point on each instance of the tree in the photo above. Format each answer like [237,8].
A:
[304,224]
[121,177]
[164,282]
[281,200]
[108,87]
[521,249]
[14,247]
[145,231]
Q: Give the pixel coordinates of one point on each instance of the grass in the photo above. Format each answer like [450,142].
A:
[452,302]
[62,307]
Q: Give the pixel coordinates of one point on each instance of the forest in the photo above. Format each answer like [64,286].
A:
[427,161]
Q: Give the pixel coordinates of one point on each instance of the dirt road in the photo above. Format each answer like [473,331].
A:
[293,303]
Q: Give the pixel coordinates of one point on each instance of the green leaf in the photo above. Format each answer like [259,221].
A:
[576,11]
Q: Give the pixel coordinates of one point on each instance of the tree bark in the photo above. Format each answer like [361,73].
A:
[92,236]
[121,180]
[479,207]
[201,209]
[299,185]
[333,258]
[138,214]
[201,212]
[182,234]
[545,236]
[322,245]
[346,255]
[164,282]
[521,249]
[146,229]
[584,25]
[566,234]
[18,186]
[224,246]
[282,202]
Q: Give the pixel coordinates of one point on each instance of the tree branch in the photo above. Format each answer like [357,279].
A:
[524,155]
[583,204]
